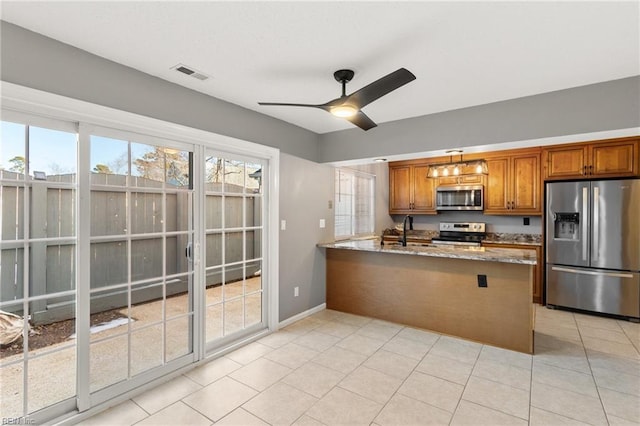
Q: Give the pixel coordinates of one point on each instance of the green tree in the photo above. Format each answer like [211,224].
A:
[161,163]
[102,168]
[18,164]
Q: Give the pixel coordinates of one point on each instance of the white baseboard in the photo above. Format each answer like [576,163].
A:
[302,315]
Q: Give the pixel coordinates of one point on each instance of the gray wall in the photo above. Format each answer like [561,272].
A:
[32,60]
[604,106]
[305,191]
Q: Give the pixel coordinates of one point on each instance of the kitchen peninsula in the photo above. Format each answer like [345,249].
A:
[478,293]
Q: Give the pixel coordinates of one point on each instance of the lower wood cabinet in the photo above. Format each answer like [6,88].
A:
[537,273]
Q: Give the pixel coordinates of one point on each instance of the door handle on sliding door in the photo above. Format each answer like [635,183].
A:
[188,252]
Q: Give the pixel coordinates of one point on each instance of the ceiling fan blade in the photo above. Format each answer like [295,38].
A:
[380,87]
[362,120]
[288,104]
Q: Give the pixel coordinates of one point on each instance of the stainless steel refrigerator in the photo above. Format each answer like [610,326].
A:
[593,246]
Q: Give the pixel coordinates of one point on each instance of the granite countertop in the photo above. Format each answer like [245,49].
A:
[487,254]
[522,239]
[492,237]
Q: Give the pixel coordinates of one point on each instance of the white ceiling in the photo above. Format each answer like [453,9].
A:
[463,53]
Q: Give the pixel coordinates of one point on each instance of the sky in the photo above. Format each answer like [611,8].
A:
[55,152]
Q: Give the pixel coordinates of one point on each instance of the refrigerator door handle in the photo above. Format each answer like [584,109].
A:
[596,223]
[585,225]
[579,271]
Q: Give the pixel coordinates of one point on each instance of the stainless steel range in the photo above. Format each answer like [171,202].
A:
[461,234]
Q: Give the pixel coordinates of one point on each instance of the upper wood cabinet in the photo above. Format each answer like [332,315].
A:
[461,180]
[611,158]
[410,191]
[513,183]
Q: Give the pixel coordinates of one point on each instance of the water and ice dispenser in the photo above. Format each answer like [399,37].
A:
[566,226]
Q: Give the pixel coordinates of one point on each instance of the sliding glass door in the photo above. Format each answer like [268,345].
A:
[140,257]
[233,247]
[124,257]
[38,189]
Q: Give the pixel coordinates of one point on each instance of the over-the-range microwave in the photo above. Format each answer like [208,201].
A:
[460,197]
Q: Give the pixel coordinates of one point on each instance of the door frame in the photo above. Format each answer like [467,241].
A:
[30,101]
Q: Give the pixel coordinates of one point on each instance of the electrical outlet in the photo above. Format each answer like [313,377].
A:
[283,225]
[322,223]
[482,280]
[526,221]
[330,204]
[296,291]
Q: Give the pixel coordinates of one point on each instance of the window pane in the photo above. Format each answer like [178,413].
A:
[146,212]
[12,151]
[108,263]
[233,212]
[213,212]
[146,259]
[233,247]
[61,212]
[11,275]
[214,169]
[12,200]
[147,165]
[54,153]
[253,211]
[108,213]
[214,250]
[234,173]
[253,178]
[109,161]
[354,212]
[177,166]
[253,244]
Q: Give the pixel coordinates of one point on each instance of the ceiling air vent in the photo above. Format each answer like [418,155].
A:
[190,72]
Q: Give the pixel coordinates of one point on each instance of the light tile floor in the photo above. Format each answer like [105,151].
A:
[335,368]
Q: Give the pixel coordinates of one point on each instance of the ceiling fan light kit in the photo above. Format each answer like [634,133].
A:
[350,106]
[344,111]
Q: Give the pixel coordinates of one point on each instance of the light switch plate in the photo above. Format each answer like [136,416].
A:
[322,223]
[283,225]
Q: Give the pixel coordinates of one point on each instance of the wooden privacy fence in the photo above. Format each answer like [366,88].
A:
[52,267]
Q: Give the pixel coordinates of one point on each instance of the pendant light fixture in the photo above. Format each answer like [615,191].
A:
[458,168]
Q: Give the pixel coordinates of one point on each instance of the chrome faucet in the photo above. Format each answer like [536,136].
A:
[404,228]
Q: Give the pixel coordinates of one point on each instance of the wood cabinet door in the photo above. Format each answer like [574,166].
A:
[496,195]
[565,162]
[619,159]
[537,270]
[461,180]
[525,184]
[423,190]
[399,189]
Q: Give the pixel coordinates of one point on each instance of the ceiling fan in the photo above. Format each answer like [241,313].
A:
[350,106]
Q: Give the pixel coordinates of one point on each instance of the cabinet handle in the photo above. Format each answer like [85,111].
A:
[591,169]
[584,170]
